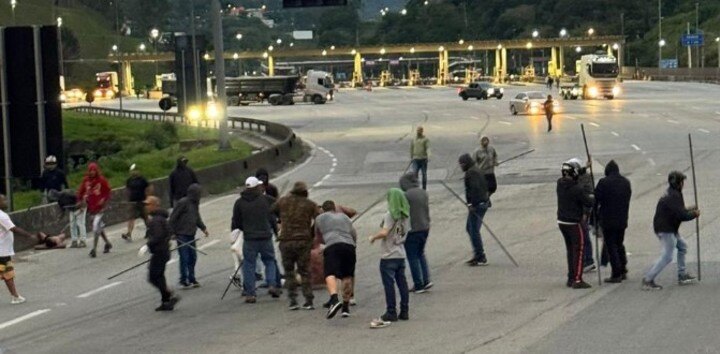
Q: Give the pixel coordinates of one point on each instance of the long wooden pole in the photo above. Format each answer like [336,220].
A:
[594,211]
[697,219]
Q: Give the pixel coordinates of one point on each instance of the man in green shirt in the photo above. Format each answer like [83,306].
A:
[419,153]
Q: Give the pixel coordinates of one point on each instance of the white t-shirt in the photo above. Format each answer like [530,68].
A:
[393,246]
[6,236]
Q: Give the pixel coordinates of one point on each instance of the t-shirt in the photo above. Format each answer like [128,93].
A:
[393,246]
[6,236]
[335,228]
[136,187]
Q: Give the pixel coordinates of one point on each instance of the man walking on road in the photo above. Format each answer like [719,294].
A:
[669,214]
[137,189]
[7,250]
[477,198]
[486,159]
[335,230]
[572,201]
[180,180]
[252,216]
[419,153]
[184,221]
[94,194]
[549,111]
[419,232]
[613,194]
[158,242]
[297,214]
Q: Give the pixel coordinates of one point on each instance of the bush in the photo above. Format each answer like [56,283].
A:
[161,135]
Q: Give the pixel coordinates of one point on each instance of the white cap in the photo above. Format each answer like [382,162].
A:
[51,159]
[252,182]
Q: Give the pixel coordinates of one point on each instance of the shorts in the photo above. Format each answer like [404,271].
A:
[137,210]
[7,270]
[339,260]
[98,224]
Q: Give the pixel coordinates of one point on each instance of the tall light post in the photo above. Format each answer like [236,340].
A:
[717,40]
[661,44]
[660,40]
[563,33]
[590,32]
[116,48]
[60,52]
[13,4]
[154,36]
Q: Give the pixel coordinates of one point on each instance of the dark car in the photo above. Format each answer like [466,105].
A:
[480,90]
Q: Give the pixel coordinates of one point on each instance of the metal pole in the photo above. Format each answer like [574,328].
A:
[195,53]
[697,219]
[7,178]
[594,210]
[697,31]
[184,78]
[689,50]
[40,95]
[221,102]
[120,61]
[659,35]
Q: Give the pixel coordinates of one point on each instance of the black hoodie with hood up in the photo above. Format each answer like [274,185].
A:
[252,215]
[185,218]
[612,195]
[418,200]
[180,180]
[572,200]
[476,189]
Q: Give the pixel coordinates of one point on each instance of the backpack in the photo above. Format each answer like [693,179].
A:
[67,200]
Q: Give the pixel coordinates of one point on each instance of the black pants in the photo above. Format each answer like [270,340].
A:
[614,240]
[491,182]
[156,274]
[549,119]
[575,246]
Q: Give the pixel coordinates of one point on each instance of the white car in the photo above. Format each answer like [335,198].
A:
[531,102]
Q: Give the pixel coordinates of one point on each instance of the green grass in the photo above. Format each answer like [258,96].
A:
[128,132]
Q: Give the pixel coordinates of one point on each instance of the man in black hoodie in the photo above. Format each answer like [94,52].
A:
[252,216]
[669,214]
[264,177]
[180,180]
[612,195]
[419,232]
[477,197]
[184,221]
[572,202]
[158,238]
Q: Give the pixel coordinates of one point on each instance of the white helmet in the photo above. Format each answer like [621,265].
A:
[51,159]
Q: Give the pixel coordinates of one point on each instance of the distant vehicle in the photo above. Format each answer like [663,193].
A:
[480,91]
[106,85]
[570,92]
[316,87]
[598,76]
[74,95]
[531,102]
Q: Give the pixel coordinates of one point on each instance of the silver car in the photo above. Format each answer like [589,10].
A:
[531,102]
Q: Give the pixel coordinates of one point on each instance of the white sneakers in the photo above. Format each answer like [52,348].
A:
[17,300]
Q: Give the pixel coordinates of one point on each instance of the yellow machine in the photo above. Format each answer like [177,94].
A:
[528,74]
[414,78]
[385,78]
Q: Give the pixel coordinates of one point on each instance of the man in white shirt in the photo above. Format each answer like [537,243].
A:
[7,270]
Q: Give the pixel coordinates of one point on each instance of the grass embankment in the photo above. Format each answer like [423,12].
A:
[154,147]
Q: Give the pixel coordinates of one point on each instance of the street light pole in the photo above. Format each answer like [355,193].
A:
[121,81]
[13,4]
[659,35]
[221,103]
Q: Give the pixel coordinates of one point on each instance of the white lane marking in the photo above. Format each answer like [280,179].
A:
[334,160]
[651,161]
[635,147]
[615,133]
[704,131]
[616,110]
[504,122]
[595,124]
[206,245]
[476,118]
[317,184]
[325,177]
[334,164]
[23,318]
[672,121]
[571,117]
[100,289]
[332,170]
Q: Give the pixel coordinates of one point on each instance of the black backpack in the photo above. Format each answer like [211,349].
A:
[67,200]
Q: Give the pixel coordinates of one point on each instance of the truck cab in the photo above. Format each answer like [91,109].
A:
[318,87]
[106,85]
[598,76]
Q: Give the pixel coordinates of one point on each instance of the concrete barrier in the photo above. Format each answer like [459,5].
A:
[216,179]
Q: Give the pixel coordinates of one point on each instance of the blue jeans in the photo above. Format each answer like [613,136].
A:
[188,258]
[251,249]
[415,248]
[669,242]
[474,223]
[421,165]
[78,219]
[392,271]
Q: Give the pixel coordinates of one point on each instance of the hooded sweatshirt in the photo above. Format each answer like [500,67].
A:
[397,223]
[419,203]
[252,215]
[180,180]
[95,191]
[670,212]
[185,218]
[613,194]
[476,190]
[572,201]
[158,232]
[297,213]
[270,189]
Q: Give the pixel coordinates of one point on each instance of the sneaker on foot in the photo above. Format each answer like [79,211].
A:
[589,268]
[345,314]
[684,279]
[326,305]
[379,323]
[308,306]
[126,237]
[429,285]
[293,305]
[335,306]
[417,290]
[195,284]
[482,261]
[184,285]
[74,244]
[82,244]
[389,317]
[581,285]
[650,285]
[345,310]
[250,299]
[174,300]
[93,253]
[166,306]
[107,248]
[274,292]
[17,300]
[404,316]
[614,280]
[353,302]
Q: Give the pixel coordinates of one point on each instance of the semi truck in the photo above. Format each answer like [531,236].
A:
[106,85]
[598,76]
[316,87]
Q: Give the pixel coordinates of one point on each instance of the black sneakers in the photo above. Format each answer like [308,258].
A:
[684,279]
[308,306]
[126,237]
[169,305]
[389,317]
[108,246]
[346,310]
[477,261]
[404,316]
[335,306]
[614,280]
[650,285]
[293,305]
[581,285]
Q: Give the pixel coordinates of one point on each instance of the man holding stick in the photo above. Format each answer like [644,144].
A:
[476,197]
[158,242]
[184,221]
[669,214]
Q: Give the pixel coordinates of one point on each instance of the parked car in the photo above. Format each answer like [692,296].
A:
[480,91]
[531,102]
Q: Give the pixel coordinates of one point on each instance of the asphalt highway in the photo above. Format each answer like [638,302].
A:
[361,147]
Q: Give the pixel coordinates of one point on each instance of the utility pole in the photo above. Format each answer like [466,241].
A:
[118,36]
[659,35]
[221,103]
[697,32]
[689,49]
[195,53]
[7,157]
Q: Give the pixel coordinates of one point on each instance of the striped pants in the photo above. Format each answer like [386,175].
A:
[575,246]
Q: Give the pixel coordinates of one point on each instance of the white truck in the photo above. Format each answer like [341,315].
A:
[316,87]
[598,76]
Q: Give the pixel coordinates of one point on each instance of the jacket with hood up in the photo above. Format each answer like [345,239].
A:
[670,212]
[572,201]
[158,232]
[95,191]
[297,214]
[180,180]
[185,218]
[612,195]
[419,203]
[252,215]
[476,190]
[270,189]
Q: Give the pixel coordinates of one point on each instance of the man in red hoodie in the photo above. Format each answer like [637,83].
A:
[94,193]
